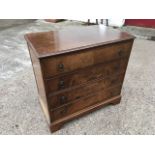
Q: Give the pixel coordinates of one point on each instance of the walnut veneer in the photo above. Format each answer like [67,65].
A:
[78,70]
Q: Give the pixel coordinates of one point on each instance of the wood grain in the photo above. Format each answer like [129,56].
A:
[78,70]
[72,39]
[86,101]
[84,58]
[68,96]
[80,77]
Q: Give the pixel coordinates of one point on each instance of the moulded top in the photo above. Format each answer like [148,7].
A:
[73,38]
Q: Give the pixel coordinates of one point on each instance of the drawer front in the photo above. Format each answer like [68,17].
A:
[69,62]
[69,96]
[86,75]
[85,102]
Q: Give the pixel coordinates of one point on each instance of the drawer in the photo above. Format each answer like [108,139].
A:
[85,76]
[52,66]
[85,102]
[69,96]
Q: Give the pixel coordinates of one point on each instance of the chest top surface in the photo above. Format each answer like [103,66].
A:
[73,38]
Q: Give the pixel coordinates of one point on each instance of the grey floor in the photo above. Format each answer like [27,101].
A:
[20,112]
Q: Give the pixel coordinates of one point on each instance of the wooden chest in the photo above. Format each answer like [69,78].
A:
[78,70]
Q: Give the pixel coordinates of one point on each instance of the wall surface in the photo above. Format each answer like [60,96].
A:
[141,22]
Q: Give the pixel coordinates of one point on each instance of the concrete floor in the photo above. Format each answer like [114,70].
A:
[140,32]
[20,112]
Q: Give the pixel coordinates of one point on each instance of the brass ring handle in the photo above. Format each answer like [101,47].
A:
[61,67]
[61,84]
[63,99]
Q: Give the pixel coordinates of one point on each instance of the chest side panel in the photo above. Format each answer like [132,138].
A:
[40,83]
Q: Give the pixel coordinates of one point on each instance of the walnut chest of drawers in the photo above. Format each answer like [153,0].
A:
[78,70]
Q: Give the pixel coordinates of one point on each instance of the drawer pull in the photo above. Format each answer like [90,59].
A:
[63,99]
[61,84]
[61,67]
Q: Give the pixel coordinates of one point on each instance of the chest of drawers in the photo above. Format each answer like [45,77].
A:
[78,70]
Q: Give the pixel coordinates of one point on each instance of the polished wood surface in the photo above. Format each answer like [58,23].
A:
[40,83]
[80,77]
[87,101]
[78,70]
[67,97]
[73,38]
[56,125]
[85,58]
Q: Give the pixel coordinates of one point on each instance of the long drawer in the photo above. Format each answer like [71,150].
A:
[68,96]
[52,66]
[87,101]
[85,76]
